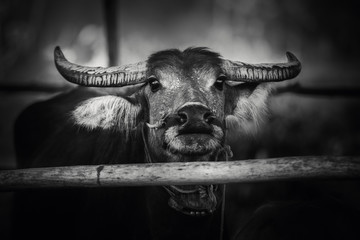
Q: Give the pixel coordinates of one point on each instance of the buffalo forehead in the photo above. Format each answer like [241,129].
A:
[196,77]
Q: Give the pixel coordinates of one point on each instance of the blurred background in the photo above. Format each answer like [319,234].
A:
[316,114]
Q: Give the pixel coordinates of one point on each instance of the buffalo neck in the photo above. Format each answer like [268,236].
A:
[167,223]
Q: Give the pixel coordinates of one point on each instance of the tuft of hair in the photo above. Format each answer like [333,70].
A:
[193,56]
[107,112]
[250,112]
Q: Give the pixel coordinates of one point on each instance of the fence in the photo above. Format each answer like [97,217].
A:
[288,168]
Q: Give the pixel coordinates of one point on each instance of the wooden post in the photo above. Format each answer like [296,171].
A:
[112,29]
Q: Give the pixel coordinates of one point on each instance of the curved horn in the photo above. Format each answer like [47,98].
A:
[98,76]
[263,72]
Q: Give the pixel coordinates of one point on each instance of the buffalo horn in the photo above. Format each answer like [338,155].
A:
[263,72]
[98,76]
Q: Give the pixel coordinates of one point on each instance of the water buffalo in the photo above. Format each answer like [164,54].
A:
[181,107]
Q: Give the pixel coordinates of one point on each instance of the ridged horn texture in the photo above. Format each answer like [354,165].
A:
[98,76]
[263,72]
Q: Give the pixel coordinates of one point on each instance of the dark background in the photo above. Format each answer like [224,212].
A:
[322,120]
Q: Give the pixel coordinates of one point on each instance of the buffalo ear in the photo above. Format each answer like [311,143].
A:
[107,112]
[247,110]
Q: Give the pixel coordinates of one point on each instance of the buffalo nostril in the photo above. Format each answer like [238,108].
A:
[209,117]
[182,117]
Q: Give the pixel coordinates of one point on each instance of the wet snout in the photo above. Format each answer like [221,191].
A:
[194,130]
[194,117]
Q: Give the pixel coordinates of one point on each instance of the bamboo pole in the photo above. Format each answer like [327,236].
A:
[274,169]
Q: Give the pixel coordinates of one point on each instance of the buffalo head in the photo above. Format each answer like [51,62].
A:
[185,104]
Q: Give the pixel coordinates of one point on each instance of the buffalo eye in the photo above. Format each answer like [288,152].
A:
[219,83]
[154,84]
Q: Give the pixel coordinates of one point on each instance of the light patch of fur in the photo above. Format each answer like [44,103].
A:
[193,104]
[218,132]
[106,112]
[171,133]
[250,111]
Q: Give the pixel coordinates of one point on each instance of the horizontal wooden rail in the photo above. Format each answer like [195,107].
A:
[286,168]
[319,91]
[44,88]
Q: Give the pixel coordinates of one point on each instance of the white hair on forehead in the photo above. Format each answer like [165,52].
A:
[250,111]
[107,112]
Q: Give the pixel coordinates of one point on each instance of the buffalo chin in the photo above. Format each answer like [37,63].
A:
[194,200]
[199,200]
